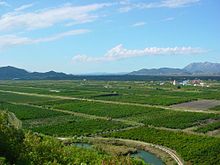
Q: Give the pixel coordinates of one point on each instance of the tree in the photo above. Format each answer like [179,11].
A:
[11,137]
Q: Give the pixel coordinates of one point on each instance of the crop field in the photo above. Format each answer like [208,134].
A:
[128,91]
[173,119]
[200,104]
[146,115]
[25,112]
[101,109]
[209,127]
[140,110]
[75,126]
[11,97]
[57,123]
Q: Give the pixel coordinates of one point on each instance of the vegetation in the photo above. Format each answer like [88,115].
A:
[50,116]
[146,115]
[173,119]
[11,97]
[216,108]
[193,149]
[18,147]
[124,91]
[115,150]
[102,109]
[73,126]
[56,123]
[209,127]
[24,112]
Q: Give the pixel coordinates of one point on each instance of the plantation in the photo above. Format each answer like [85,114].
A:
[124,109]
[146,115]
[24,112]
[135,92]
[73,126]
[11,97]
[209,127]
[173,119]
[103,109]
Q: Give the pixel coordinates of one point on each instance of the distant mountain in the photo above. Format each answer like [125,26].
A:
[12,73]
[48,75]
[9,72]
[160,72]
[203,68]
[194,69]
[206,68]
[103,74]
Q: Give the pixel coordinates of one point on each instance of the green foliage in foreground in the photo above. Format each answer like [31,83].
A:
[2,161]
[209,127]
[194,149]
[17,147]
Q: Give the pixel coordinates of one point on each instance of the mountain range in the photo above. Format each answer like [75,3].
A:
[12,73]
[193,69]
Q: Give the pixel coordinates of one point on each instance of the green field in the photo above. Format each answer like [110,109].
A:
[137,92]
[138,110]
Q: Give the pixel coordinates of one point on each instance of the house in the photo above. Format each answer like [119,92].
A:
[185,82]
[198,83]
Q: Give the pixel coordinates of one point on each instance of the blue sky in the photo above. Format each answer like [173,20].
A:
[108,36]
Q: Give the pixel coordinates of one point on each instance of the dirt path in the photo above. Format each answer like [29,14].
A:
[109,102]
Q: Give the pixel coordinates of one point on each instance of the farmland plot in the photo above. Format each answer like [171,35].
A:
[198,105]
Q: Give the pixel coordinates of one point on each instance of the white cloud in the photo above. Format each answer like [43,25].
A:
[12,40]
[23,7]
[139,24]
[176,3]
[3,3]
[127,5]
[119,53]
[7,41]
[49,17]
